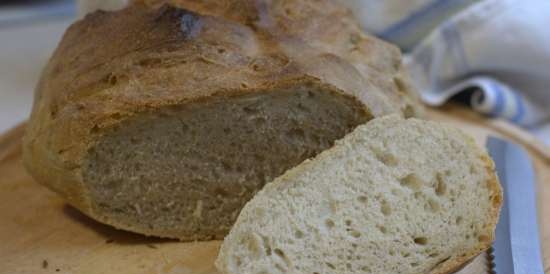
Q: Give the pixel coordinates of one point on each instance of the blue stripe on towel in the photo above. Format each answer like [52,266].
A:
[499,100]
[520,109]
[424,15]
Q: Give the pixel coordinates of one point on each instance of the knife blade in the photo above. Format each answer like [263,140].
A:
[516,249]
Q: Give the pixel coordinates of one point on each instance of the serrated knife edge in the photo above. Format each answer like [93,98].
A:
[517,246]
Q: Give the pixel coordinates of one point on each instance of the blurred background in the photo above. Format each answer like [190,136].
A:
[29,32]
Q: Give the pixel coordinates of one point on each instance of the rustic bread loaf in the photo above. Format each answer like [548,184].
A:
[393,196]
[164,119]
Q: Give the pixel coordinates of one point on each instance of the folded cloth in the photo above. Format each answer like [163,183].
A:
[492,97]
[404,23]
[501,48]
[497,50]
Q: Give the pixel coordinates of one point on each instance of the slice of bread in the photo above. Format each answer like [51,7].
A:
[393,196]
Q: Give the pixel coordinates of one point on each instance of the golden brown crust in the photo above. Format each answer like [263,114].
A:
[113,65]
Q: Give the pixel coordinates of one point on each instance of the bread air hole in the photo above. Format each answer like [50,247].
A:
[299,234]
[329,223]
[259,212]
[253,244]
[396,192]
[150,62]
[409,111]
[421,240]
[411,181]
[259,121]
[267,247]
[250,110]
[386,158]
[280,268]
[238,261]
[365,269]
[440,186]
[433,205]
[296,134]
[303,108]
[113,79]
[385,208]
[400,85]
[354,233]
[281,254]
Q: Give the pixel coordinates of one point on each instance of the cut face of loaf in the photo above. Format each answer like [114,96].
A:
[393,196]
[187,171]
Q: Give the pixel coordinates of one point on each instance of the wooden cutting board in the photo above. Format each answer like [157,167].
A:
[39,233]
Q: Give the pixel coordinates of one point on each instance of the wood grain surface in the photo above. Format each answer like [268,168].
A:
[39,233]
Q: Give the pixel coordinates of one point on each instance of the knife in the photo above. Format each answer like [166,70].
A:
[516,249]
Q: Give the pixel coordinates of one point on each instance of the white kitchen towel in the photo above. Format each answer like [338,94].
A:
[497,50]
[404,23]
[492,97]
[501,49]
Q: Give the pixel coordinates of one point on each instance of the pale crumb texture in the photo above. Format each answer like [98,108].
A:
[393,196]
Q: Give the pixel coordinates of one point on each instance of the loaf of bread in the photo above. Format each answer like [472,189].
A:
[164,119]
[393,196]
